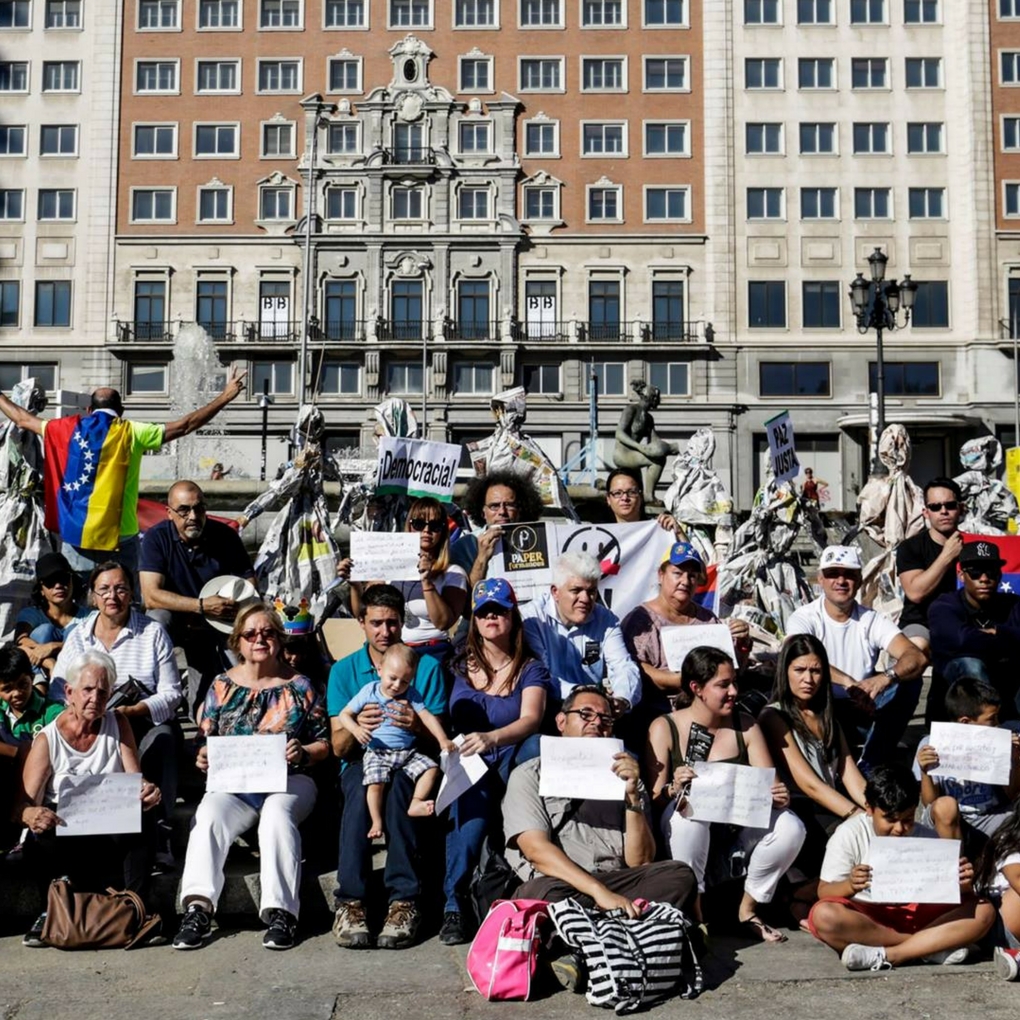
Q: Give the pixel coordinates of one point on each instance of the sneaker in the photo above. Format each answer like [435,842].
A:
[453,932]
[282,926]
[1007,963]
[350,929]
[401,926]
[947,957]
[570,971]
[858,957]
[33,937]
[196,926]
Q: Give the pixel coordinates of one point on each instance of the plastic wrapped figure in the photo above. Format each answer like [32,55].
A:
[988,503]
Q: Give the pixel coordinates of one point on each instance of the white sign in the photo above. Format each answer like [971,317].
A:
[735,794]
[385,555]
[581,767]
[678,641]
[781,447]
[418,467]
[100,805]
[982,754]
[459,774]
[255,764]
[914,870]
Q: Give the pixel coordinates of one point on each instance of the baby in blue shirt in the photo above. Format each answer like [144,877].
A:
[389,747]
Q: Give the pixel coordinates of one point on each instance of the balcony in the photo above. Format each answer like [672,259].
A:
[272,332]
[677,332]
[606,332]
[145,332]
[410,155]
[471,329]
[401,329]
[339,330]
[542,332]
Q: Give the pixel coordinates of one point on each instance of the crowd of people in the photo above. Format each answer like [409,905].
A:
[452,662]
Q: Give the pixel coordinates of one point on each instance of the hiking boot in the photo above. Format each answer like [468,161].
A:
[570,971]
[196,926]
[350,929]
[33,937]
[1007,963]
[453,931]
[282,926]
[401,926]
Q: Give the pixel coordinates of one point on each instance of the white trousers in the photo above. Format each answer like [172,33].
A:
[772,850]
[222,817]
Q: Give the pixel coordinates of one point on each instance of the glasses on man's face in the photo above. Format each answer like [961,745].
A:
[420,524]
[949,504]
[589,715]
[266,633]
[119,590]
[975,573]
[195,510]
[508,504]
[835,573]
[624,494]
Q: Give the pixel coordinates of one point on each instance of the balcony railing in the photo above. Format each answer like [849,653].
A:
[341,330]
[145,332]
[542,332]
[677,331]
[605,332]
[272,332]
[222,332]
[471,329]
[1009,329]
[410,155]
[400,329]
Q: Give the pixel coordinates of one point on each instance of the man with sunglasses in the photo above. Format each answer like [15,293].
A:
[926,562]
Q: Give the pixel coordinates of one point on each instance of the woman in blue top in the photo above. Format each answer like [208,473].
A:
[498,702]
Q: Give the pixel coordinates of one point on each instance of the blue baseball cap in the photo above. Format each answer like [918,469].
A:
[682,552]
[494,591]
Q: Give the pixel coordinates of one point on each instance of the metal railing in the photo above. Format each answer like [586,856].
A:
[410,155]
[1009,329]
[145,332]
[223,331]
[677,331]
[471,329]
[543,332]
[341,330]
[605,332]
[275,332]
[400,329]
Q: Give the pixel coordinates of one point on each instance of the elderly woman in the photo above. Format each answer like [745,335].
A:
[498,703]
[85,739]
[260,695]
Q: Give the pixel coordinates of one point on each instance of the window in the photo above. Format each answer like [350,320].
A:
[927,203]
[610,379]
[409,143]
[152,205]
[816,73]
[871,138]
[340,377]
[665,74]
[474,13]
[15,14]
[794,379]
[63,13]
[277,140]
[764,139]
[869,73]
[342,139]
[146,379]
[12,203]
[763,73]
[44,373]
[473,203]
[1010,67]
[542,379]
[56,204]
[906,378]
[279,76]
[473,377]
[14,76]
[156,76]
[924,138]
[604,204]
[666,138]
[276,204]
[341,203]
[279,375]
[150,322]
[867,12]
[342,313]
[474,136]
[818,204]
[665,13]
[921,12]
[476,74]
[1012,199]
[211,307]
[924,72]
[603,74]
[540,203]
[217,76]
[761,12]
[664,204]
[346,13]
[157,14]
[672,378]
[216,140]
[410,13]
[61,76]
[473,317]
[817,139]
[58,140]
[53,303]
[344,75]
[540,13]
[816,12]
[12,141]
[602,13]
[154,140]
[404,377]
[766,304]
[408,203]
[820,305]
[931,305]
[541,74]
[280,14]
[765,203]
[604,139]
[541,138]
[214,205]
[219,14]
[10,308]
[872,203]
[1009,8]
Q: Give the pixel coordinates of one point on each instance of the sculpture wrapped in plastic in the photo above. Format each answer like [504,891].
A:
[988,504]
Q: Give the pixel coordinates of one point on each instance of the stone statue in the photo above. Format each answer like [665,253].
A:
[638,445]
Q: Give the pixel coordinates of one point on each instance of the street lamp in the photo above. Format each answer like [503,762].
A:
[875,305]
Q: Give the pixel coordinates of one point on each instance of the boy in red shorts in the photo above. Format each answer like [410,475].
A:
[874,936]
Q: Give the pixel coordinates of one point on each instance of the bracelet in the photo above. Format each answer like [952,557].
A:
[201,607]
[636,808]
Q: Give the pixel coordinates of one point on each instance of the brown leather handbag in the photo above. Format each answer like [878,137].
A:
[92,920]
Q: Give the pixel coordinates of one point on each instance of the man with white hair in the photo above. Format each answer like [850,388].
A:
[577,638]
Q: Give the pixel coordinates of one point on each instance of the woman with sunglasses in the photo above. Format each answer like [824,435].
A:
[260,695]
[627,502]
[497,702]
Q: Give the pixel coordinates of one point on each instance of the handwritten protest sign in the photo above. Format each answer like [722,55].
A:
[678,641]
[459,774]
[580,767]
[100,805]
[781,447]
[385,555]
[736,794]
[255,764]
[914,870]
[417,467]
[982,754]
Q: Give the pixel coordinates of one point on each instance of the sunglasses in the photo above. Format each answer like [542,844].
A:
[835,572]
[490,609]
[264,632]
[950,504]
[188,511]
[420,524]
[975,572]
[52,582]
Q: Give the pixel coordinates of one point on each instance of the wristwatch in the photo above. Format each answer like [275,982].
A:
[890,674]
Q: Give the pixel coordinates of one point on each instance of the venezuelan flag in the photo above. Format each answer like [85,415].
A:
[86,468]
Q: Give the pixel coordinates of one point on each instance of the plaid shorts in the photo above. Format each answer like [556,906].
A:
[379,765]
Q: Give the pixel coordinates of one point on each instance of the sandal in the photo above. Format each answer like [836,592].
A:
[760,931]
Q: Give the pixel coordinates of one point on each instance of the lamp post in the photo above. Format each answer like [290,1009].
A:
[875,306]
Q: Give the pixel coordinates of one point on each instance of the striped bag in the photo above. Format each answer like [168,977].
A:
[630,962]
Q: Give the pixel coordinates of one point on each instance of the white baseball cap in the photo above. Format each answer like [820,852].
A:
[846,556]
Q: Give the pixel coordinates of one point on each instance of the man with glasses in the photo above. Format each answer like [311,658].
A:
[877,703]
[926,562]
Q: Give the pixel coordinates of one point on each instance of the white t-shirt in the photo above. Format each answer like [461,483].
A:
[1000,883]
[853,646]
[417,625]
[850,844]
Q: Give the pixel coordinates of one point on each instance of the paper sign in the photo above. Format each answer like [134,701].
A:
[982,754]
[736,794]
[255,764]
[909,870]
[100,805]
[417,467]
[781,448]
[580,767]
[678,641]
[459,774]
[385,555]
[525,547]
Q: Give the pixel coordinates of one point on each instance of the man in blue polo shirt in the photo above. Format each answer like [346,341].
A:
[381,617]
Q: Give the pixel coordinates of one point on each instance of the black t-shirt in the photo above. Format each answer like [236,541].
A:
[919,553]
[186,568]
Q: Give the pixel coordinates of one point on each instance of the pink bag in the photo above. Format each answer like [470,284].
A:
[504,953]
